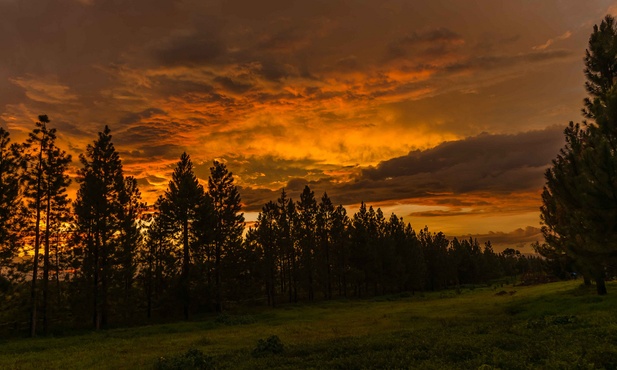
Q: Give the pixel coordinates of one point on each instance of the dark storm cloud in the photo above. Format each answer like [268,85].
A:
[497,162]
[485,163]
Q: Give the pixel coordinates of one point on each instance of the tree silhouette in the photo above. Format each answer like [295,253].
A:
[45,181]
[286,221]
[600,64]
[10,199]
[266,232]
[307,238]
[580,195]
[181,209]
[324,226]
[228,224]
[99,211]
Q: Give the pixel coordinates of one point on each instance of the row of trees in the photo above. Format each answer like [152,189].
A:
[579,209]
[107,258]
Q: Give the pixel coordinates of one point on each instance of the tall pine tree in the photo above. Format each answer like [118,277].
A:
[45,181]
[98,227]
[181,209]
[228,225]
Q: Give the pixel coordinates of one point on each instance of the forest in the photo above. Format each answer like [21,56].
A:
[106,259]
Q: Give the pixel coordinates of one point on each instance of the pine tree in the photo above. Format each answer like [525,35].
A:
[340,233]
[600,65]
[10,200]
[580,197]
[286,221]
[307,237]
[98,221]
[266,230]
[228,225]
[46,182]
[324,225]
[180,209]
[157,261]
[128,243]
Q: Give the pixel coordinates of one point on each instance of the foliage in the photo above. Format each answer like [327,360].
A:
[193,359]
[580,196]
[181,210]
[270,346]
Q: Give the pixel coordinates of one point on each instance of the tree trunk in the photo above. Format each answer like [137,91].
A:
[185,268]
[601,286]
[37,243]
[96,322]
[217,278]
[46,265]
[58,294]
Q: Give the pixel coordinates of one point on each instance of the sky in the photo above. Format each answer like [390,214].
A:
[444,112]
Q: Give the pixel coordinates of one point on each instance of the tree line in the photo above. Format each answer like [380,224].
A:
[105,258]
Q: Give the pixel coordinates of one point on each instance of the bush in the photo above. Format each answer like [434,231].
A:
[272,345]
[193,359]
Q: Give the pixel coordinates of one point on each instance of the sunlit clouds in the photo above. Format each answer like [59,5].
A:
[446,112]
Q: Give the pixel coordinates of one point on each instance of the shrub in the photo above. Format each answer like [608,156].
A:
[272,345]
[193,359]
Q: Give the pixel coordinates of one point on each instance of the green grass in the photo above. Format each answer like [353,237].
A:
[553,326]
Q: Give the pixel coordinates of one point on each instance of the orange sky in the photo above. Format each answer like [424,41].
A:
[445,112]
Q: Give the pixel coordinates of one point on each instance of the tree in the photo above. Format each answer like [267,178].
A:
[98,222]
[286,221]
[157,260]
[46,181]
[129,240]
[600,65]
[324,226]
[181,208]
[435,252]
[580,196]
[340,234]
[228,224]
[307,237]
[10,199]
[266,230]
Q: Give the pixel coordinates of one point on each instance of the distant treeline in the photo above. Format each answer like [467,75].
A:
[105,259]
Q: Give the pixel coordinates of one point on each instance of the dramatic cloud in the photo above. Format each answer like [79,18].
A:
[419,107]
[503,163]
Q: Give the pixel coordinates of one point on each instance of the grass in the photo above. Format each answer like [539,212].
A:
[553,326]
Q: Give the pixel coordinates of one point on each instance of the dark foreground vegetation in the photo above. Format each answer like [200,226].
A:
[560,325]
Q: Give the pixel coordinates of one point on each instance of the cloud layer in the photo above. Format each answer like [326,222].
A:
[382,101]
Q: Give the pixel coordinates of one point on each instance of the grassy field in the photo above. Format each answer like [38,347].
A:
[553,326]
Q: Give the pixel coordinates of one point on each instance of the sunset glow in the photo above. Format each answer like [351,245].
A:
[444,112]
